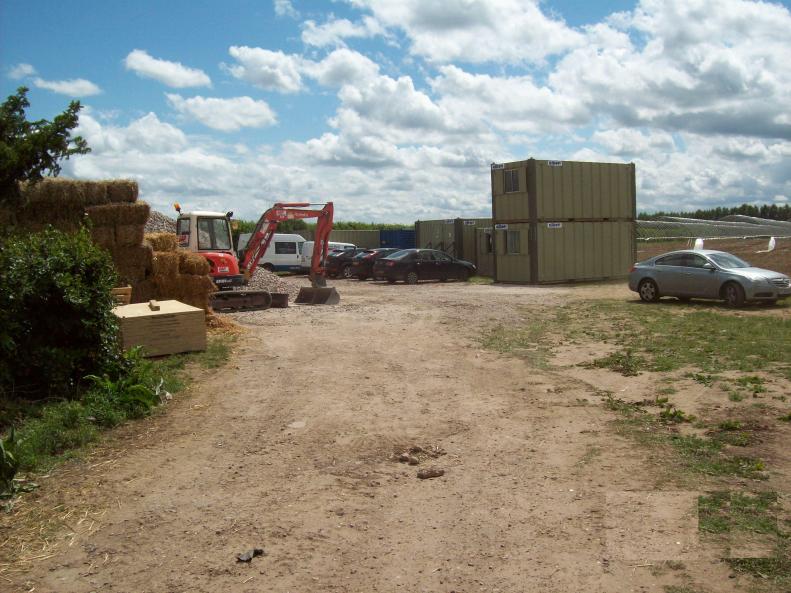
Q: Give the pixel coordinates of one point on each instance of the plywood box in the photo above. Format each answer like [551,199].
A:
[171,328]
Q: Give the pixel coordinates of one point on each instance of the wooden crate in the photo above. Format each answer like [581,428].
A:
[122,295]
[169,327]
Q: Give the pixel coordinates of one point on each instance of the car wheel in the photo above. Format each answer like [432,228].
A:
[391,280]
[648,290]
[683,299]
[269,267]
[733,294]
[346,272]
[411,278]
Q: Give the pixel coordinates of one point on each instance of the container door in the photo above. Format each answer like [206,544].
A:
[511,251]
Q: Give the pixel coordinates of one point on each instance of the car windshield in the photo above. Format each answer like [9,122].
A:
[728,261]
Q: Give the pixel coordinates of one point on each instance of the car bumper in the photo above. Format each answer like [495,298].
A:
[767,293]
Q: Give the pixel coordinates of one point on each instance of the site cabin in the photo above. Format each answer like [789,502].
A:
[213,241]
[283,255]
[307,249]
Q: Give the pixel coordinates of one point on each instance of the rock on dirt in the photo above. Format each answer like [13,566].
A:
[430,472]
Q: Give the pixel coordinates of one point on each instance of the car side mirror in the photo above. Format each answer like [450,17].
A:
[709,266]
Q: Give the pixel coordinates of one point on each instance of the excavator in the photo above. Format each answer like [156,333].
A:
[209,234]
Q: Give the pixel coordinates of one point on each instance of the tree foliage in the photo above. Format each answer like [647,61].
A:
[31,149]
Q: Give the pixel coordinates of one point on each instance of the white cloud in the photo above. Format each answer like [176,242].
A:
[285,8]
[334,31]
[172,74]
[341,67]
[507,31]
[266,69]
[226,115]
[21,71]
[76,87]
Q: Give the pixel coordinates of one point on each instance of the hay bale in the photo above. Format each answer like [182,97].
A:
[122,191]
[129,234]
[191,263]
[75,192]
[119,214]
[195,290]
[49,212]
[165,263]
[103,236]
[144,291]
[162,241]
[133,263]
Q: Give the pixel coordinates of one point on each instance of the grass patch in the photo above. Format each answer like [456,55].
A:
[625,362]
[480,280]
[52,431]
[710,341]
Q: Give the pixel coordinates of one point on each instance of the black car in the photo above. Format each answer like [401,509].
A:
[339,263]
[363,263]
[412,265]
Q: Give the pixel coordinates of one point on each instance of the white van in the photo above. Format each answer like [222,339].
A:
[281,256]
[307,252]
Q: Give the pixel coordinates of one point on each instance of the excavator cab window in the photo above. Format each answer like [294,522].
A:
[183,232]
[213,234]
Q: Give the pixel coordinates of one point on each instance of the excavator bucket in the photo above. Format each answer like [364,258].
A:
[318,296]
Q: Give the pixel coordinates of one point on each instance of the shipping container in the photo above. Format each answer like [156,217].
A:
[454,236]
[436,234]
[550,252]
[401,238]
[484,240]
[367,239]
[554,191]
[562,221]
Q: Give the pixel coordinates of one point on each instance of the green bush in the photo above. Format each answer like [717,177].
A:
[56,320]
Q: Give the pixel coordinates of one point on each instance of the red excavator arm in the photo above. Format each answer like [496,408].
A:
[267,225]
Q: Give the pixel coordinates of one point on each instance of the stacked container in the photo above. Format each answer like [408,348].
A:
[562,221]
[458,237]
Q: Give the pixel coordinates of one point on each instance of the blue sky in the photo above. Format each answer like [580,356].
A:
[394,110]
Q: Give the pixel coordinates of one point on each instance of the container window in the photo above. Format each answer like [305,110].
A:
[285,248]
[511,180]
[513,242]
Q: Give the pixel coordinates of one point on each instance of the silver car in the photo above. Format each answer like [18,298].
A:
[706,274]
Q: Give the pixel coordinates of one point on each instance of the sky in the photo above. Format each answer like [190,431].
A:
[395,109]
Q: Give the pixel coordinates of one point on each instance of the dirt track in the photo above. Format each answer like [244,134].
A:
[292,448]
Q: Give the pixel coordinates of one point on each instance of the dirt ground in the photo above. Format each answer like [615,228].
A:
[294,448]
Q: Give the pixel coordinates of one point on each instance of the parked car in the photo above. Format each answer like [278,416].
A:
[306,252]
[412,265]
[706,274]
[339,262]
[363,263]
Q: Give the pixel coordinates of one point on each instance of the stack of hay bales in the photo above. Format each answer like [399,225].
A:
[176,274]
[117,218]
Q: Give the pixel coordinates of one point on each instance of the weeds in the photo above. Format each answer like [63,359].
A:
[59,429]
[625,362]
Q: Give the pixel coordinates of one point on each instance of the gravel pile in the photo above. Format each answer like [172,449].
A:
[263,280]
[159,223]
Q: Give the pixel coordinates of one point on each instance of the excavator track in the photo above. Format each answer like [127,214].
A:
[243,300]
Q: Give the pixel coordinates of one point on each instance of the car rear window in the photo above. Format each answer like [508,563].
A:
[400,254]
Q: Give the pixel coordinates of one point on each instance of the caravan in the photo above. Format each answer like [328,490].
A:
[283,254]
